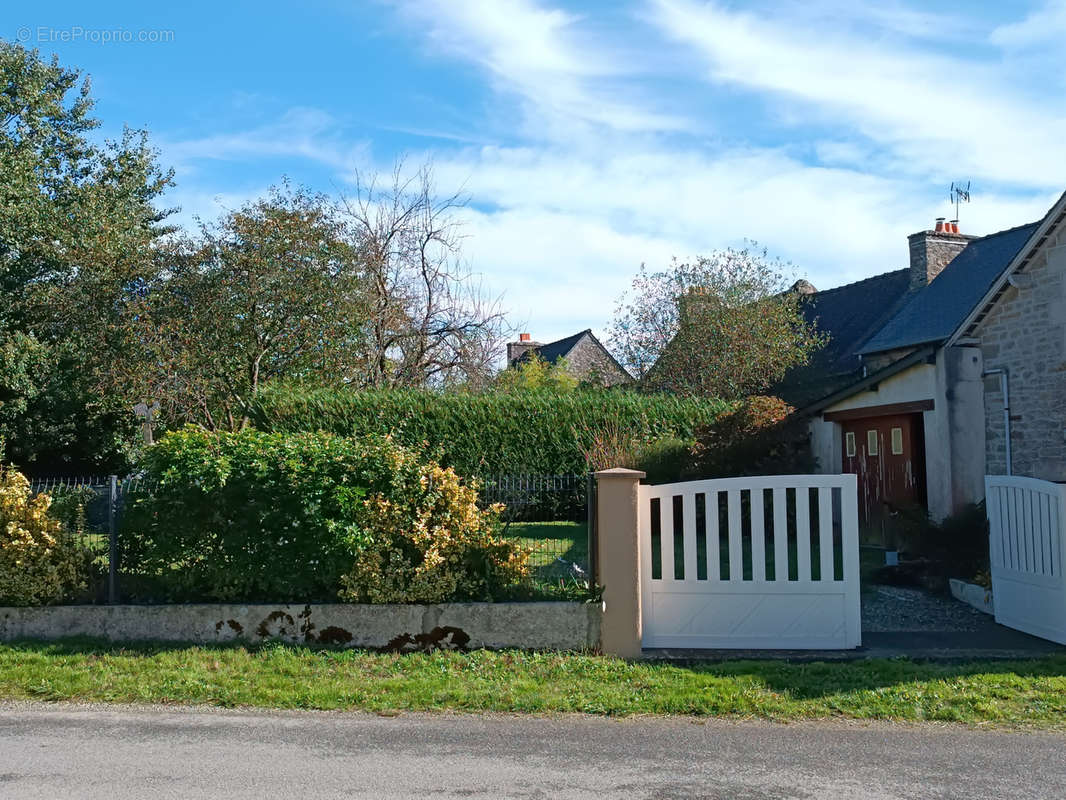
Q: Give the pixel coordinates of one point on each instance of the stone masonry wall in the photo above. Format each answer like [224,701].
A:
[588,359]
[1026,333]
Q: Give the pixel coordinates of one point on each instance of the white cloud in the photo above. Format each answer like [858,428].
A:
[568,233]
[1045,26]
[939,114]
[300,132]
[562,75]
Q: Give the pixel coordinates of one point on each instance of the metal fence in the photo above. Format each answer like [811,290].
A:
[538,498]
[90,508]
[551,515]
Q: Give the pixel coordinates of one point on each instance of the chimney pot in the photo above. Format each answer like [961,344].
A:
[954,226]
[524,337]
[939,224]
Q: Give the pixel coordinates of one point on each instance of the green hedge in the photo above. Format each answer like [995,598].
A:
[491,433]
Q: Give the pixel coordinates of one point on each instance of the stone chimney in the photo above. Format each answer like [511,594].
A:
[933,250]
[515,350]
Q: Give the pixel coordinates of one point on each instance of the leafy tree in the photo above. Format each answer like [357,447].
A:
[536,374]
[77,229]
[273,290]
[725,325]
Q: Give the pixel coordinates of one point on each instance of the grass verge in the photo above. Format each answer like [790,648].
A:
[1020,693]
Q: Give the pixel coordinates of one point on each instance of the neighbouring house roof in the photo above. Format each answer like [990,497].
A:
[563,348]
[560,348]
[932,314]
[849,315]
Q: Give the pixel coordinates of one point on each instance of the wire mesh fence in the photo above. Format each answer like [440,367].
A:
[90,508]
[547,514]
[538,498]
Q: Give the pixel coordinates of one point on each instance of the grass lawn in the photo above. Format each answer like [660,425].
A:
[551,540]
[1022,693]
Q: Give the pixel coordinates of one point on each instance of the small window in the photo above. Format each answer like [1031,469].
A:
[897,441]
[871,443]
[849,444]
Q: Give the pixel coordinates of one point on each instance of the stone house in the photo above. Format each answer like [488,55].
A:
[586,357]
[943,372]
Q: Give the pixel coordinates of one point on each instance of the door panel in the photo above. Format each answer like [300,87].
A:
[888,456]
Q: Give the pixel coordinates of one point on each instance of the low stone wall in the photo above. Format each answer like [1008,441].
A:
[550,626]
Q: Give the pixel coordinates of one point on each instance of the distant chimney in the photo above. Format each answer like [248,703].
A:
[515,350]
[933,250]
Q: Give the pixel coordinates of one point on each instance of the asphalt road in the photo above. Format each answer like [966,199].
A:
[64,751]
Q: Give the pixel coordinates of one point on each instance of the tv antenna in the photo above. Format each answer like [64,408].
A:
[959,195]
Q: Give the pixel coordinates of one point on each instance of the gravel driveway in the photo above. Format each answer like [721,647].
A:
[895,608]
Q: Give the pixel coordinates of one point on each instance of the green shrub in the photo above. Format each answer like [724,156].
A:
[665,460]
[757,437]
[491,433]
[256,516]
[39,562]
[958,544]
[431,543]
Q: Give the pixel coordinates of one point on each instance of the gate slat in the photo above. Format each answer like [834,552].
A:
[1043,510]
[1018,527]
[803,535]
[849,544]
[780,535]
[825,532]
[995,528]
[688,523]
[758,536]
[736,545]
[1058,540]
[1027,515]
[666,536]
[714,550]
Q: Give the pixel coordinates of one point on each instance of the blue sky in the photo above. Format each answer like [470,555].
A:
[592,137]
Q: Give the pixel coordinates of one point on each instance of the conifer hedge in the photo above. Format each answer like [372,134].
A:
[492,433]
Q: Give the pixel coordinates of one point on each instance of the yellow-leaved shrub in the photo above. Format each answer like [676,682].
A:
[432,544]
[38,562]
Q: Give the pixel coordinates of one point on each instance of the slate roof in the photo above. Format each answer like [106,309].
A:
[933,313]
[849,315]
[560,348]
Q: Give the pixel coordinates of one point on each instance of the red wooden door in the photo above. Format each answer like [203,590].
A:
[888,456]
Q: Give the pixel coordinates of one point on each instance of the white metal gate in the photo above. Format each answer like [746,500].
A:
[757,562]
[1027,549]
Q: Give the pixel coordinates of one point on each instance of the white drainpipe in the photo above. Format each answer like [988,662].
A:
[1004,387]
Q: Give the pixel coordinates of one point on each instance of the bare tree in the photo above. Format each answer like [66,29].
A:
[429,321]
